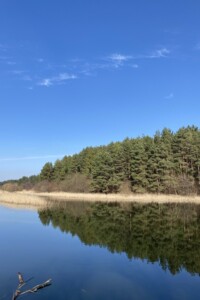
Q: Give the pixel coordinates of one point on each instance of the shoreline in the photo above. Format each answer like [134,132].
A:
[39,199]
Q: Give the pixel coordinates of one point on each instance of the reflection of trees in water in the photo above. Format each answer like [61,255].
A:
[167,233]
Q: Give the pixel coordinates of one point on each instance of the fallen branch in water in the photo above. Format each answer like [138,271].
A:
[34,289]
[37,287]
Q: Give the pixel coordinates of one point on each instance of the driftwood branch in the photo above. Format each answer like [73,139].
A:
[20,278]
[34,289]
[37,287]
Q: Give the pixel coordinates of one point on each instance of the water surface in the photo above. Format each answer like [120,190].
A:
[102,251]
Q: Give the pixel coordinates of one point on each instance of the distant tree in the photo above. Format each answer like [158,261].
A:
[104,179]
[163,163]
[139,167]
[47,172]
[58,171]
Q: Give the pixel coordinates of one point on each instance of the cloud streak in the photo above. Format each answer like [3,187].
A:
[118,59]
[46,74]
[160,53]
[31,157]
[115,60]
[60,79]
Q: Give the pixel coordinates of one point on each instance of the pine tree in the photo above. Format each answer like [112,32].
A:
[47,172]
[138,166]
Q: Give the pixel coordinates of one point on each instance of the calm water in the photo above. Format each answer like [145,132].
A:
[102,251]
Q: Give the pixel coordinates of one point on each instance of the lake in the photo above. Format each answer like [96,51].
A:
[102,251]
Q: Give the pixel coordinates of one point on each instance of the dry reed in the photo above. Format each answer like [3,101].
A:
[38,199]
[23,200]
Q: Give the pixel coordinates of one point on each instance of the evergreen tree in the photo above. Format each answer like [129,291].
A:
[47,172]
[138,167]
[104,179]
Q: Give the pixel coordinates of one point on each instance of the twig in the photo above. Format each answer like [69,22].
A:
[18,292]
[37,287]
[20,278]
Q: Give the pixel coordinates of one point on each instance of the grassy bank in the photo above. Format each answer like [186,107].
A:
[23,199]
[38,199]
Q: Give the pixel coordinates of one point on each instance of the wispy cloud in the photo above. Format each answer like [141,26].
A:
[118,59]
[115,60]
[45,82]
[170,96]
[60,79]
[31,157]
[46,74]
[159,53]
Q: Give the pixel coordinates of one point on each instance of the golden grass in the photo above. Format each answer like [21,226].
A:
[38,199]
[22,200]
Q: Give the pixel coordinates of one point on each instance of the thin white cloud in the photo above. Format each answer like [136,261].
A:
[61,78]
[31,157]
[45,82]
[160,53]
[74,68]
[118,59]
[170,96]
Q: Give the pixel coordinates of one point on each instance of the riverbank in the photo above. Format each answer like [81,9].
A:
[22,199]
[39,199]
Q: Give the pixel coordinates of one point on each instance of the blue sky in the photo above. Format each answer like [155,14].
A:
[77,73]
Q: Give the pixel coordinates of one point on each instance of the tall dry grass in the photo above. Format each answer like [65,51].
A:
[22,199]
[30,197]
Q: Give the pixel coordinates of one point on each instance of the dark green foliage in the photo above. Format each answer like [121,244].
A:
[104,174]
[47,172]
[138,166]
[167,233]
[166,163]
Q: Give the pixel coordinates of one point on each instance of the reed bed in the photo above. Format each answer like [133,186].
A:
[30,197]
[24,200]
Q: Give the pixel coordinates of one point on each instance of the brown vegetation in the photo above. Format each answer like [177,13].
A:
[39,199]
[22,199]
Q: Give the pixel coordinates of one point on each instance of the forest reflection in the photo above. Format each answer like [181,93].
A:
[164,233]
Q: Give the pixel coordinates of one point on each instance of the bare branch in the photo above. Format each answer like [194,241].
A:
[18,292]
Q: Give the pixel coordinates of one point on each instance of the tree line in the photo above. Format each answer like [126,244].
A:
[168,162]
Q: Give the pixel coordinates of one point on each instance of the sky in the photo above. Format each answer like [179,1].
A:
[77,73]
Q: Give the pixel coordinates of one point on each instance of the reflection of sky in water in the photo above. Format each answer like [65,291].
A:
[79,271]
